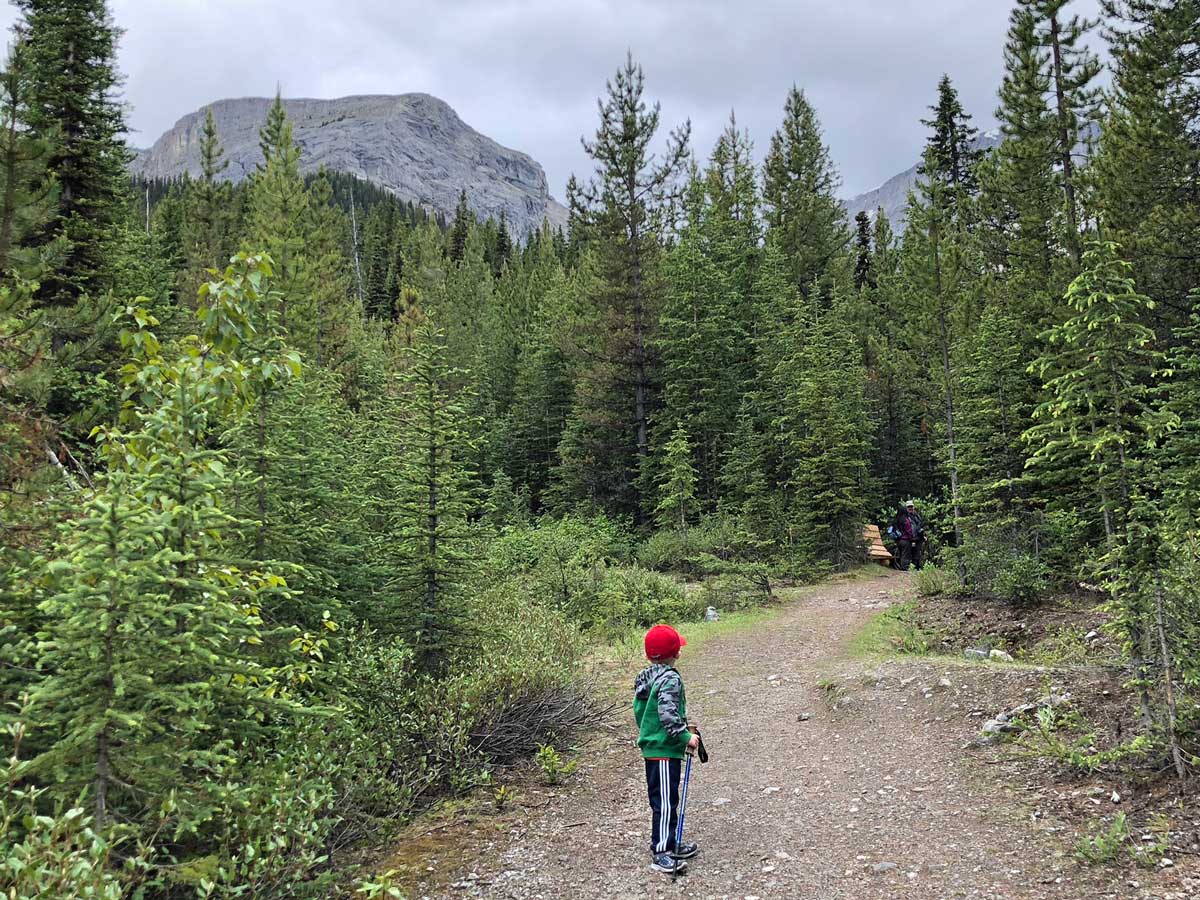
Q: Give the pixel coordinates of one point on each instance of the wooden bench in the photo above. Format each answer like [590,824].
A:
[876,551]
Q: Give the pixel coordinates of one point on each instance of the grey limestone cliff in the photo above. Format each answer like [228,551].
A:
[413,145]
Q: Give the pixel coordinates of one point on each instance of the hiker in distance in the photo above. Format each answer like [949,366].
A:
[660,709]
[910,534]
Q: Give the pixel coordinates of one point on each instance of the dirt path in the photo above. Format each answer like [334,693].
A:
[864,788]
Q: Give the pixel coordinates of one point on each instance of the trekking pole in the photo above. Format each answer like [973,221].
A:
[702,752]
[687,774]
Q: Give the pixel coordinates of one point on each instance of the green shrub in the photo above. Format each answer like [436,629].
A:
[640,597]
[738,590]
[270,822]
[932,581]
[560,564]
[50,854]
[993,567]
[704,549]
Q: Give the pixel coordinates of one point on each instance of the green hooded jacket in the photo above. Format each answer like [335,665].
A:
[660,709]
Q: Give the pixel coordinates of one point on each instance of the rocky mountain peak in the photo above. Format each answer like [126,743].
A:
[414,145]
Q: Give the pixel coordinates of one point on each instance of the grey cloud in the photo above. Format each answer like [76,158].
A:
[527,72]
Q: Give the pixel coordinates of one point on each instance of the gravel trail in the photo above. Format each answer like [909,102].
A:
[831,777]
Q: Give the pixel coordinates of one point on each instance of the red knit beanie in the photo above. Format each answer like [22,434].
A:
[663,642]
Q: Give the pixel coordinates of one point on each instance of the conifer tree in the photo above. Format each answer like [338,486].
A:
[71,53]
[823,434]
[274,137]
[935,276]
[862,251]
[330,293]
[703,344]
[1096,368]
[745,488]
[1145,170]
[28,190]
[543,390]
[278,217]
[730,224]
[150,624]
[1099,410]
[206,227]
[804,216]
[954,154]
[502,246]
[461,228]
[430,524]
[677,483]
[621,215]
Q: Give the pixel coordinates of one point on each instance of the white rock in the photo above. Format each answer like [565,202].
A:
[1000,656]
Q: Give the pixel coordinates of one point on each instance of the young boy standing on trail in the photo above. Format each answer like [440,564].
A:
[660,708]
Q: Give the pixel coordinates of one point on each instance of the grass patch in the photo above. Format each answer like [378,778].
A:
[895,630]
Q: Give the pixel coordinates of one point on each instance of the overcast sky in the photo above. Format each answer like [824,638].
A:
[527,72]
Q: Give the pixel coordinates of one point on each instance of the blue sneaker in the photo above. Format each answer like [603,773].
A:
[665,862]
[686,850]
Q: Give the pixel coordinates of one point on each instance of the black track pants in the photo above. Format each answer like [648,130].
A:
[662,785]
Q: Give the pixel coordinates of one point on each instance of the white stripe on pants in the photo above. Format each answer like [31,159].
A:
[664,830]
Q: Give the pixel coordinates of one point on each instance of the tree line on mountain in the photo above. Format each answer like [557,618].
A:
[310,498]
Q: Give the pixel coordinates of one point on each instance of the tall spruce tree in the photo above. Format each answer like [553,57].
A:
[206,227]
[1147,186]
[70,47]
[436,493]
[621,215]
[824,439]
[804,216]
[151,625]
[936,279]
[954,152]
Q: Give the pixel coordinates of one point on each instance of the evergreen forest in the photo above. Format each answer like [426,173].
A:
[313,503]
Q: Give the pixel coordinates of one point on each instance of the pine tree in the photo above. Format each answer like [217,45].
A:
[463,218]
[435,496]
[862,251]
[275,136]
[1147,189]
[543,390]
[954,155]
[28,190]
[279,212]
[502,246]
[621,216]
[824,440]
[677,483]
[330,293]
[1074,68]
[206,226]
[804,216]
[704,346]
[70,47]
[1096,369]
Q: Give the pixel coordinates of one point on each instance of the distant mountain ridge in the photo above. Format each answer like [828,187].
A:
[892,195]
[413,145]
